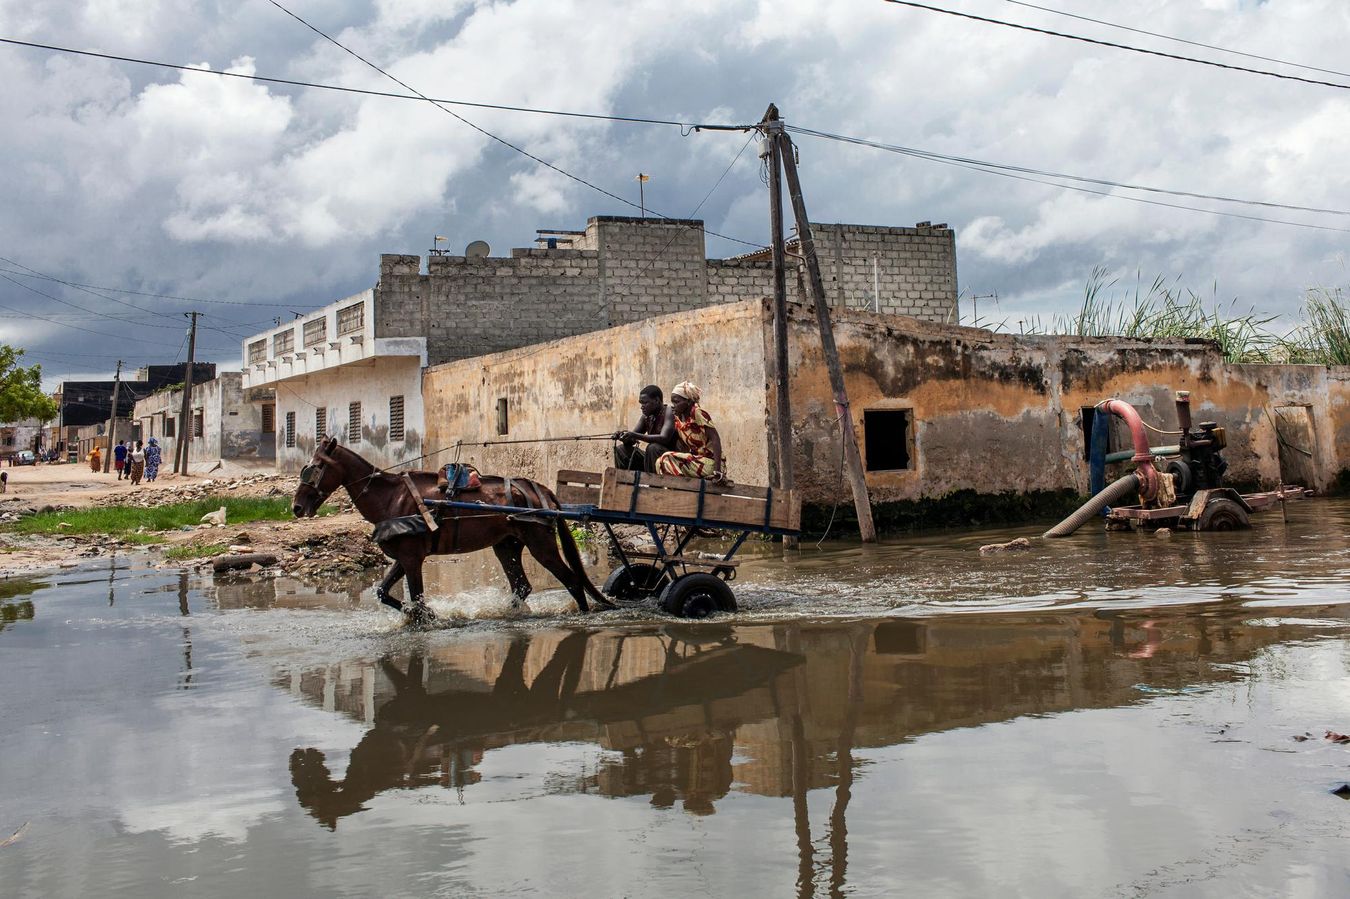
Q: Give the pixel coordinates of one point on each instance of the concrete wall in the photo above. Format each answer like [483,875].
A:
[371,383]
[589,384]
[625,270]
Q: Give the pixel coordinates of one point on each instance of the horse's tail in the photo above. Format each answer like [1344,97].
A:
[571,554]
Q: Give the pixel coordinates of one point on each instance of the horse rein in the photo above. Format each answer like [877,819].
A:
[312,475]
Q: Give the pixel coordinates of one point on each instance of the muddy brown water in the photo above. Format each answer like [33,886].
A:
[1110,715]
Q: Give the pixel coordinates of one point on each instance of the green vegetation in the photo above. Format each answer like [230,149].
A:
[21,393]
[1162,310]
[195,551]
[125,521]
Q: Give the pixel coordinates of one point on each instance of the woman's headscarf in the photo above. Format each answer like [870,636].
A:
[154,442]
[689,390]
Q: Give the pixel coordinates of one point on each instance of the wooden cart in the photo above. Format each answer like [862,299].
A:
[676,510]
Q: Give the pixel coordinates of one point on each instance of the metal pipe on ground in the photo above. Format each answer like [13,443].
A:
[1115,491]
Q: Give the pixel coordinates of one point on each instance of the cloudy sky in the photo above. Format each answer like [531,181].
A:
[253,200]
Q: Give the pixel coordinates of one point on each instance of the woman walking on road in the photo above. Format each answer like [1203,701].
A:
[153,457]
[96,460]
[137,457]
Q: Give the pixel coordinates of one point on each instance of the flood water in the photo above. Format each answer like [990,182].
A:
[1109,715]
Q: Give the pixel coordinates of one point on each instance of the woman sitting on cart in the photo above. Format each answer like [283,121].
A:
[698,448]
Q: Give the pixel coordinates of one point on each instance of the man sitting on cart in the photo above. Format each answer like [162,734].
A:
[698,448]
[656,428]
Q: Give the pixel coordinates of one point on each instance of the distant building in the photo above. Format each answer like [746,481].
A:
[222,425]
[86,406]
[354,368]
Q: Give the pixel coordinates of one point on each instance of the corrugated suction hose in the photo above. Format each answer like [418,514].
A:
[1114,492]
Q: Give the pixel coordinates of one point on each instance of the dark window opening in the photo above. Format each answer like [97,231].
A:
[886,435]
[269,418]
[198,424]
[396,418]
[502,423]
[169,426]
[290,429]
[1088,417]
[320,423]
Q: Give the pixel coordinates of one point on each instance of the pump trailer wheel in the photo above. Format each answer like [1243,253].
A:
[1223,514]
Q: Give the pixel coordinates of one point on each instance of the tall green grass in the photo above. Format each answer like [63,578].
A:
[1162,309]
[121,521]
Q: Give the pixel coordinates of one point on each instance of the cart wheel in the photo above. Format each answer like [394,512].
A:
[637,581]
[1222,514]
[697,596]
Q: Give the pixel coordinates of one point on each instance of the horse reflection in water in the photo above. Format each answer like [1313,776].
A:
[423,739]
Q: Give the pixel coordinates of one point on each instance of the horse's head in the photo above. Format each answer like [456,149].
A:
[318,480]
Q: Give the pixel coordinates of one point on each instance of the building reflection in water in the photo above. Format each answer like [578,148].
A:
[687,714]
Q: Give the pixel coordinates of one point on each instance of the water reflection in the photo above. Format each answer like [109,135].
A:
[687,716]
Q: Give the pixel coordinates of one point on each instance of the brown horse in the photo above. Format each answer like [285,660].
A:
[380,496]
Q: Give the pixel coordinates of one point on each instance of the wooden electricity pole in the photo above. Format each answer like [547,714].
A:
[185,428]
[112,418]
[773,130]
[852,458]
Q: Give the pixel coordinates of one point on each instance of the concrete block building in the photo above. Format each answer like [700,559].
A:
[353,369]
[222,426]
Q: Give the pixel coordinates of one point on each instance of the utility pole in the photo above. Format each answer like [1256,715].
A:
[185,429]
[112,418]
[852,458]
[773,129]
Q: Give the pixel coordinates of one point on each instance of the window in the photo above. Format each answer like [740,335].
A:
[168,426]
[316,331]
[320,423]
[887,436]
[350,320]
[257,351]
[290,429]
[283,343]
[502,422]
[396,418]
[198,424]
[353,423]
[269,418]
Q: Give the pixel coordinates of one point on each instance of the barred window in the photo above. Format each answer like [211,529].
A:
[283,343]
[350,319]
[320,423]
[198,424]
[257,351]
[269,418]
[290,429]
[353,423]
[169,426]
[316,331]
[396,418]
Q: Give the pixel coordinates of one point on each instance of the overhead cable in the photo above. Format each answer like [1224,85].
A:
[929,154]
[1179,40]
[1101,43]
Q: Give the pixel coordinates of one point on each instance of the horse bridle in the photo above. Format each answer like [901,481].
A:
[312,475]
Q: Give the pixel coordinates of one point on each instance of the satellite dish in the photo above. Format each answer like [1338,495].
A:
[478,249]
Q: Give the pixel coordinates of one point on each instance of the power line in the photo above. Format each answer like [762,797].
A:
[1101,43]
[639,120]
[30,273]
[929,154]
[991,170]
[1179,40]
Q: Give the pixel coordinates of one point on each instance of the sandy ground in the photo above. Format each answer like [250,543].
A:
[337,543]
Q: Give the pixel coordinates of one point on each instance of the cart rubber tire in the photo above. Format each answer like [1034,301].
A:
[1223,514]
[697,595]
[638,581]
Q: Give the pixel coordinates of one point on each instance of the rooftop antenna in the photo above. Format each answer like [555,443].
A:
[436,246]
[642,179]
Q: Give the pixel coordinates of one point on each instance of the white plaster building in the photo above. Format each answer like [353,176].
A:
[334,374]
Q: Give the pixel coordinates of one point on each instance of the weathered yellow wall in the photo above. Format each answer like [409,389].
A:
[997,412]
[589,385]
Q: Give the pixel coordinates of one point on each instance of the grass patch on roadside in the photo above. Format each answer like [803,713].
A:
[195,551]
[124,521]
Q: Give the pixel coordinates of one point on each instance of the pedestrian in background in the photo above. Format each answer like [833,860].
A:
[96,460]
[120,458]
[137,463]
[153,457]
